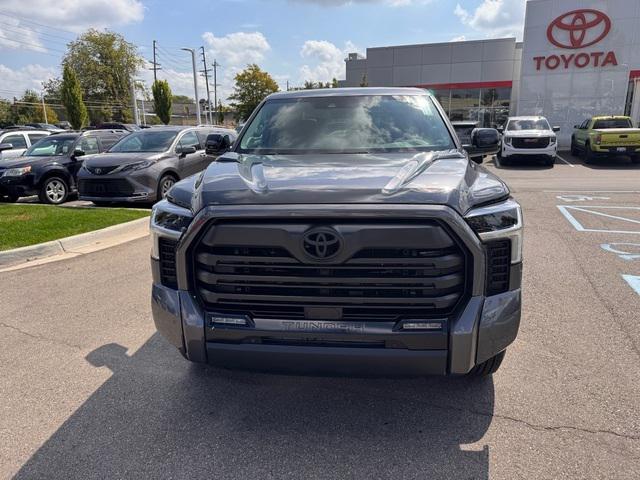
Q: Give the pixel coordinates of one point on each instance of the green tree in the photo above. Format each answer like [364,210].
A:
[221,110]
[364,82]
[162,100]
[251,87]
[334,83]
[6,116]
[26,107]
[105,63]
[71,95]
[308,85]
[182,99]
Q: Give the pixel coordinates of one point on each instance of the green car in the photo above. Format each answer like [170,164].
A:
[606,137]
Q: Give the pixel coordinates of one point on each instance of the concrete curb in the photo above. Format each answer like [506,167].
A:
[76,245]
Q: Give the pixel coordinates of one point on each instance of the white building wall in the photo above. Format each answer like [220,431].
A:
[568,96]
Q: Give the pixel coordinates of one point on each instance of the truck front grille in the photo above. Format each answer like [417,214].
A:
[531,142]
[261,270]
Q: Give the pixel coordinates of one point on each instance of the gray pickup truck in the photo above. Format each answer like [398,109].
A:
[346,231]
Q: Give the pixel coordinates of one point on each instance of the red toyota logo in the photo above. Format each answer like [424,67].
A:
[578,28]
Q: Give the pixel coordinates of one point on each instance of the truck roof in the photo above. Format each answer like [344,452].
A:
[350,92]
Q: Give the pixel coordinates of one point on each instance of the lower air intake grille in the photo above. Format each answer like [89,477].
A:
[168,263]
[498,266]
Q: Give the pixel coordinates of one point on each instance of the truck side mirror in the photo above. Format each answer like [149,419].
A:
[217,143]
[556,129]
[485,137]
[6,146]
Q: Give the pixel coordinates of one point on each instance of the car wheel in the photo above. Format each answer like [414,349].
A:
[164,185]
[9,199]
[54,191]
[588,153]
[574,148]
[488,367]
[477,160]
[550,161]
[635,158]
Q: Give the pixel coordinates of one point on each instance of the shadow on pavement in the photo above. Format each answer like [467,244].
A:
[613,163]
[159,416]
[522,164]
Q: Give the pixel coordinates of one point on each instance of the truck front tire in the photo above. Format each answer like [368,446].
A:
[488,367]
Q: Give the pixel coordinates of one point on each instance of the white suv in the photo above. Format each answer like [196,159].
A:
[14,143]
[528,137]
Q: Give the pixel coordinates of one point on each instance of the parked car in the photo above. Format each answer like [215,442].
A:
[14,143]
[605,137]
[45,126]
[345,231]
[528,138]
[64,125]
[130,127]
[49,167]
[475,141]
[144,166]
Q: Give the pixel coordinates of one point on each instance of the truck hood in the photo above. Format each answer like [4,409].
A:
[445,178]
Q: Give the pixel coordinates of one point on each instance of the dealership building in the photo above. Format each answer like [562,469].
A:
[578,58]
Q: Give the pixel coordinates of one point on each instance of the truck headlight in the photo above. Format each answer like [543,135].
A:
[552,140]
[507,140]
[502,221]
[167,221]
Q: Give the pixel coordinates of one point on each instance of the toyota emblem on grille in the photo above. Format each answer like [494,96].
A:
[321,243]
[98,171]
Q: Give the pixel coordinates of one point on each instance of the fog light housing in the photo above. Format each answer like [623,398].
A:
[223,320]
[421,325]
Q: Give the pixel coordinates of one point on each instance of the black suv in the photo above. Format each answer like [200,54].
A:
[49,167]
[346,231]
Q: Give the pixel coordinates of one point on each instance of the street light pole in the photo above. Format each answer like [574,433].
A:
[195,81]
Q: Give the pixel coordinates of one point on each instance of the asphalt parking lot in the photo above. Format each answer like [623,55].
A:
[89,390]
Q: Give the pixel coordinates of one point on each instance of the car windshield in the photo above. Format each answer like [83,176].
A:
[146,141]
[612,123]
[529,124]
[51,146]
[347,124]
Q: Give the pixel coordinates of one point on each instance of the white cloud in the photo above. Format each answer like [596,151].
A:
[77,15]
[15,82]
[237,49]
[234,52]
[339,3]
[326,60]
[459,38]
[495,18]
[14,36]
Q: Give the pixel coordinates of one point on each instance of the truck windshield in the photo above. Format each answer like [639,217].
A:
[540,124]
[146,141]
[347,124]
[612,123]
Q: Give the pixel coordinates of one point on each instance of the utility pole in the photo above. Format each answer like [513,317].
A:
[136,116]
[195,82]
[155,64]
[215,65]
[44,109]
[209,111]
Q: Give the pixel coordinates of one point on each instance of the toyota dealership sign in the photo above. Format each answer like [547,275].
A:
[578,30]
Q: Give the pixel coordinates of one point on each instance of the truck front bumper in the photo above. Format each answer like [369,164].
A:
[482,329]
[510,152]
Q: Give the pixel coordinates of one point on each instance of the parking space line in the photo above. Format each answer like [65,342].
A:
[591,191]
[565,161]
[564,209]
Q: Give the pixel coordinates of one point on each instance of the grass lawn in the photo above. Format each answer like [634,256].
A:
[22,225]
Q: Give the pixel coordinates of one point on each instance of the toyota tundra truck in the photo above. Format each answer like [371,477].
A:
[606,137]
[345,231]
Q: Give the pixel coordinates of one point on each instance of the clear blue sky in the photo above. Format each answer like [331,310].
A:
[294,40]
